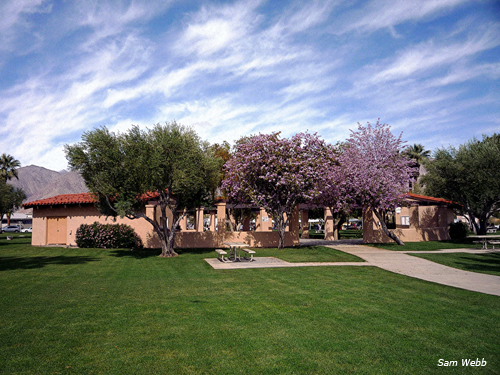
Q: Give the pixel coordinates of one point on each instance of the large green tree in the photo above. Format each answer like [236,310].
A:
[468,175]
[11,199]
[168,161]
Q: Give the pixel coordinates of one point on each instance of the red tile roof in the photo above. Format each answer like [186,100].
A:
[88,198]
[430,199]
[81,198]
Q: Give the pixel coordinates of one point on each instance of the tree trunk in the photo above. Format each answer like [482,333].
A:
[341,221]
[168,237]
[473,222]
[167,245]
[390,234]
[280,226]
[483,226]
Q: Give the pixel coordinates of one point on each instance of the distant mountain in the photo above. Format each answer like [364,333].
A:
[41,183]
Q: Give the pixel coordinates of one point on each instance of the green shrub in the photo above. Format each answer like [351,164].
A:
[458,231]
[107,236]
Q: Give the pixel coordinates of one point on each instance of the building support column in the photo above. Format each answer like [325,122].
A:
[305,223]
[263,221]
[199,219]
[183,222]
[213,215]
[331,233]
[221,223]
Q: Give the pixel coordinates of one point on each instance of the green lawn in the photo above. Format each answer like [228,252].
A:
[428,245]
[308,254]
[72,311]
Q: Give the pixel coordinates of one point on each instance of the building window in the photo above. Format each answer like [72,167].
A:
[405,220]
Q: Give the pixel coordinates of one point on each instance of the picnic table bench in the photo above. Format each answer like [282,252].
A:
[221,254]
[493,243]
[248,251]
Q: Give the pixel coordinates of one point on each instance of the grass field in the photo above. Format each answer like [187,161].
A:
[428,246]
[76,311]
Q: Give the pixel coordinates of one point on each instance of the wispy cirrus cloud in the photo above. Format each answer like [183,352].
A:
[430,55]
[217,28]
[243,67]
[379,14]
[13,19]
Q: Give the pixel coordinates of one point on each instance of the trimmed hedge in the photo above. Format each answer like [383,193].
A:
[458,231]
[107,236]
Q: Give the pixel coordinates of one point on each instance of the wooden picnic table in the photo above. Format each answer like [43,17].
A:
[486,239]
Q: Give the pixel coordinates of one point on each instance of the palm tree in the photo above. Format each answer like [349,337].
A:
[419,154]
[8,167]
[8,170]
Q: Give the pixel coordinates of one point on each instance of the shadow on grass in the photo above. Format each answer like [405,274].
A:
[15,241]
[146,253]
[14,263]
[138,254]
[485,262]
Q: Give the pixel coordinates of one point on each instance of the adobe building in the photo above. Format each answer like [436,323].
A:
[424,219]
[56,220]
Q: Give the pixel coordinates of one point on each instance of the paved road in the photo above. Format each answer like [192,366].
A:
[404,264]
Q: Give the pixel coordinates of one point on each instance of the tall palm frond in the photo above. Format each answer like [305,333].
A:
[8,167]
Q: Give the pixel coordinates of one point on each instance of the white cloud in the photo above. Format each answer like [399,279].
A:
[378,14]
[306,16]
[216,28]
[429,55]
[463,73]
[14,25]
[234,68]
[11,12]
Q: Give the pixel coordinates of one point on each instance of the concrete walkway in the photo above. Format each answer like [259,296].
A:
[271,262]
[404,264]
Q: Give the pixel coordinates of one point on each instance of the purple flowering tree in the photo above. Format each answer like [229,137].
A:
[276,174]
[336,193]
[376,170]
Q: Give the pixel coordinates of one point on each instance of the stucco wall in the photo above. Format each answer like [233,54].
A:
[76,216]
[427,223]
[88,214]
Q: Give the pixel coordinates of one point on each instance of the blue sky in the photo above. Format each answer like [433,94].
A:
[429,68]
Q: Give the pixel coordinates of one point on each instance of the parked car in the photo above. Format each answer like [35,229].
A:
[355,225]
[27,230]
[12,228]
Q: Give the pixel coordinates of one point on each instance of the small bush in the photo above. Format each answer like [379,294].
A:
[107,236]
[458,231]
